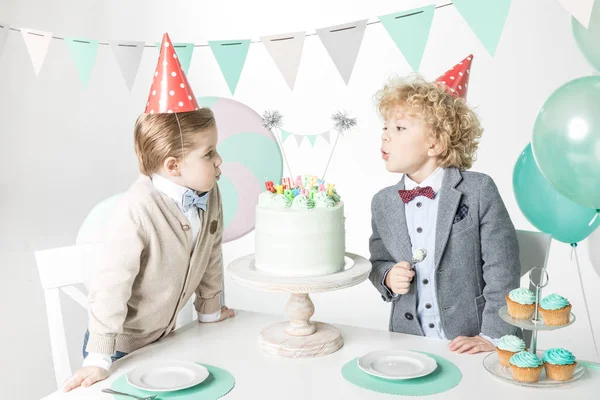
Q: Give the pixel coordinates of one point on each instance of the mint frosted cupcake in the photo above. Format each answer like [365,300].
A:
[526,367]
[559,363]
[555,310]
[520,303]
[508,346]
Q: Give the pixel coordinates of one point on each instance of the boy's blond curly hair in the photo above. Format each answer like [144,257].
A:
[451,122]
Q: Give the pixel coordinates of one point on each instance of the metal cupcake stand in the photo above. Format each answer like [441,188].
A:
[538,277]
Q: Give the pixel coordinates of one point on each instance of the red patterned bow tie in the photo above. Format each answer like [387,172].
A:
[408,195]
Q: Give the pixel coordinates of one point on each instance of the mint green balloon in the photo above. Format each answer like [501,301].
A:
[546,209]
[588,40]
[566,140]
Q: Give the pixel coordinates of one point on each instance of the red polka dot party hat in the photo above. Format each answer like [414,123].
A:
[456,79]
[170,91]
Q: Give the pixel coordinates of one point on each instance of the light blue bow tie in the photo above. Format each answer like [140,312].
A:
[190,198]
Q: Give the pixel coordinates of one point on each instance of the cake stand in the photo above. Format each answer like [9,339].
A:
[300,337]
[534,324]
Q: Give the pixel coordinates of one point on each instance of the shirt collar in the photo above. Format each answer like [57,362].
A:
[434,180]
[170,188]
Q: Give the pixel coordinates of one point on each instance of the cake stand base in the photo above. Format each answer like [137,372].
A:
[276,341]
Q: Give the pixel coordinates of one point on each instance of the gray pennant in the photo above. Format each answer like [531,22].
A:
[286,51]
[128,55]
[3,36]
[299,139]
[325,135]
[343,43]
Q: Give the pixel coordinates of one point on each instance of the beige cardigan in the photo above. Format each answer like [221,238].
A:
[151,268]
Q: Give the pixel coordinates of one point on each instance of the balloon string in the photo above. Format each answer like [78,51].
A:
[595,217]
[587,309]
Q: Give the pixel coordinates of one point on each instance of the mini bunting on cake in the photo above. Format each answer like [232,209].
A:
[456,79]
[170,91]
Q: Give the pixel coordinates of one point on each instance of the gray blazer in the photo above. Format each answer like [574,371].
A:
[476,256]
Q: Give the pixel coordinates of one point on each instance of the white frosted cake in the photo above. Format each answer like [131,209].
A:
[300,231]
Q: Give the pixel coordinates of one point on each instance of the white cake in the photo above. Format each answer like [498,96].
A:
[299,236]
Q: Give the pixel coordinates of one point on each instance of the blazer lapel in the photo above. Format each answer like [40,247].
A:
[447,207]
[396,222]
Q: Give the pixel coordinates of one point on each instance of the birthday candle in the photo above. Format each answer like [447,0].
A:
[321,188]
[269,186]
[304,191]
[286,182]
[298,181]
[279,189]
[313,181]
[306,181]
[330,187]
[295,192]
[312,193]
[288,193]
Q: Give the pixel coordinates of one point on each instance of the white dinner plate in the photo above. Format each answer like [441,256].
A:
[397,364]
[167,376]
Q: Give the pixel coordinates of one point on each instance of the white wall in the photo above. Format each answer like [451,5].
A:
[64,148]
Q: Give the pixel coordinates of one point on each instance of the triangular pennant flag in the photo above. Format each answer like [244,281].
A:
[312,139]
[184,52]
[343,43]
[581,10]
[84,53]
[286,51]
[128,55]
[298,139]
[231,56]
[486,19]
[284,135]
[325,135]
[37,43]
[410,31]
[3,36]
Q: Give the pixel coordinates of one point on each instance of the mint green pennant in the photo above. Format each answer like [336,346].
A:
[486,19]
[184,54]
[84,53]
[410,31]
[231,56]
[312,139]
[284,135]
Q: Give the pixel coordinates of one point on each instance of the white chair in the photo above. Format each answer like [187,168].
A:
[60,269]
[534,248]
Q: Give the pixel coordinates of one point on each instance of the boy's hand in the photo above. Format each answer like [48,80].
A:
[470,345]
[225,314]
[84,377]
[399,278]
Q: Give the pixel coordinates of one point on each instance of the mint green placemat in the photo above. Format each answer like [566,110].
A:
[218,384]
[445,377]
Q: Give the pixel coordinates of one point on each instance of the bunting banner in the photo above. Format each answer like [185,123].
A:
[128,56]
[486,19]
[581,10]
[343,43]
[231,56]
[184,53]
[37,43]
[84,53]
[286,51]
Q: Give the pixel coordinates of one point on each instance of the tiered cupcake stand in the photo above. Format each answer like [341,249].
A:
[534,325]
[299,337]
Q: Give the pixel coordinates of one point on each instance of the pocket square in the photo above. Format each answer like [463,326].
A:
[462,212]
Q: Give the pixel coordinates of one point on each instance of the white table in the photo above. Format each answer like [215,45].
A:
[232,345]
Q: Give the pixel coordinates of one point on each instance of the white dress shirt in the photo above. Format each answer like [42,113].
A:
[175,192]
[421,221]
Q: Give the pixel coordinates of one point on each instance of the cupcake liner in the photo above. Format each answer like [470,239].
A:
[530,375]
[504,356]
[559,372]
[556,317]
[519,311]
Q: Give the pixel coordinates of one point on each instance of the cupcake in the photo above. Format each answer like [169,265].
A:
[520,303]
[555,310]
[526,367]
[508,346]
[559,363]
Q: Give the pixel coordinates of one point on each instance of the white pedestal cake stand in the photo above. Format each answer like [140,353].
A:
[299,337]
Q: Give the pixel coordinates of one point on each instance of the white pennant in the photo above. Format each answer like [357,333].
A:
[286,51]
[325,135]
[580,9]
[37,43]
[298,139]
[128,55]
[343,43]
[3,36]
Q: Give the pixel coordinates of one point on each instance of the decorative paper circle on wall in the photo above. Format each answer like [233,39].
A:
[251,156]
